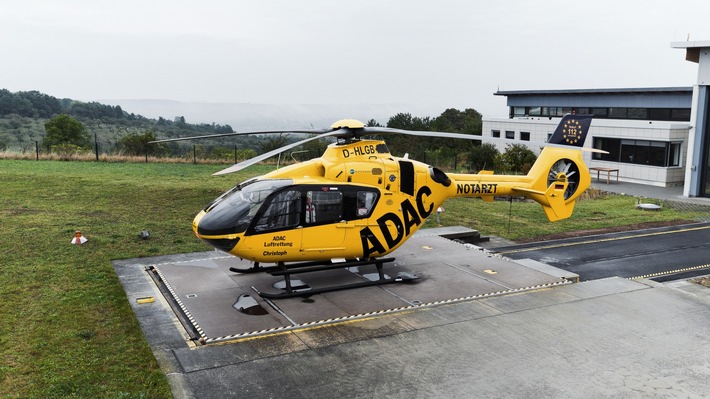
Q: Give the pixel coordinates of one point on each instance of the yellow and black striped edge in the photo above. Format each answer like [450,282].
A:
[368,315]
[669,272]
[182,306]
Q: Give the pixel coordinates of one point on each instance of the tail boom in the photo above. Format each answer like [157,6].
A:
[556,180]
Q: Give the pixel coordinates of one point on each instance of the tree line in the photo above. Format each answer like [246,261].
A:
[67,127]
[23,114]
[472,155]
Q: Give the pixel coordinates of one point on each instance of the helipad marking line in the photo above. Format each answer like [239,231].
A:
[571,244]
[192,260]
[274,306]
[669,272]
[337,320]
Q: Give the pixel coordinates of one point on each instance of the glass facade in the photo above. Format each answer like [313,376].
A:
[653,114]
[639,152]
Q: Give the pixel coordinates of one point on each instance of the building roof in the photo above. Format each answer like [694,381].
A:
[691,44]
[644,97]
[626,91]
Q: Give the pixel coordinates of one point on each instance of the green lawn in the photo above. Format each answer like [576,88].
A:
[67,329]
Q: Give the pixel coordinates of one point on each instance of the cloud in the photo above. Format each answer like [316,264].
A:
[440,54]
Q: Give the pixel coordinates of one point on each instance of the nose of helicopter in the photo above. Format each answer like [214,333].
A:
[204,229]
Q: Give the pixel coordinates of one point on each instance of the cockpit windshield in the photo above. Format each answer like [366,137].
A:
[232,212]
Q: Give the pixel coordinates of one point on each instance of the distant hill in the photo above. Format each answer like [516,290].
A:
[246,116]
[23,115]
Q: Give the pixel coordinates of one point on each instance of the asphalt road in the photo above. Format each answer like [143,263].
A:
[630,254]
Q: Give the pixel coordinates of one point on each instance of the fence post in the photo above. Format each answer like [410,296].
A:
[194,153]
[96,143]
[37,149]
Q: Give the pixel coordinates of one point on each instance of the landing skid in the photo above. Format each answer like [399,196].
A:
[291,292]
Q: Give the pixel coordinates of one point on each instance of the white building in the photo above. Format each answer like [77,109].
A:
[656,136]
[645,130]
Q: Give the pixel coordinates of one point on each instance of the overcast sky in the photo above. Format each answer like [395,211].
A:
[435,53]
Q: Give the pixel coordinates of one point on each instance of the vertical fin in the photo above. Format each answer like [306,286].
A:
[572,130]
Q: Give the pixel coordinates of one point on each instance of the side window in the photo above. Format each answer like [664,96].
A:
[365,202]
[283,211]
[323,207]
[359,203]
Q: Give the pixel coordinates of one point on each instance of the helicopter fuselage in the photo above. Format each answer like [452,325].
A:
[358,201]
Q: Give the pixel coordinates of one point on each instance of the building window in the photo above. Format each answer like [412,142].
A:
[674,155]
[637,113]
[659,114]
[495,133]
[509,134]
[600,112]
[626,153]
[617,113]
[658,153]
[681,114]
[639,152]
[654,114]
[525,136]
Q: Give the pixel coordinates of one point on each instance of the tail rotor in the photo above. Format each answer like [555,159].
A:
[565,170]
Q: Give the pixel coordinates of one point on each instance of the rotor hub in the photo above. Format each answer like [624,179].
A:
[347,124]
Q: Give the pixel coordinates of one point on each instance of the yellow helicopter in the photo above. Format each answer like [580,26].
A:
[357,203]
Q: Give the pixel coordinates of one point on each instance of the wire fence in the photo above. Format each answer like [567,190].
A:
[203,153]
[196,153]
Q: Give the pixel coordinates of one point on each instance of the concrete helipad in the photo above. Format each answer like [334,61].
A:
[546,338]
[207,297]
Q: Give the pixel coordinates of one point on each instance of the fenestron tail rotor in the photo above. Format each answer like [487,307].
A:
[565,170]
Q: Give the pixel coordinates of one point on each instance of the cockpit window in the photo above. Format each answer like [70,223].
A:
[283,211]
[233,212]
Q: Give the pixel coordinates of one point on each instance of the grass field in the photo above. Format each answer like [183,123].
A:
[67,329]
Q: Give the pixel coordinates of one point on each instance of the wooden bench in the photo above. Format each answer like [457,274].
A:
[608,172]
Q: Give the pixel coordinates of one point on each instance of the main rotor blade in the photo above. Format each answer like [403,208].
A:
[210,136]
[387,130]
[241,165]
[540,144]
